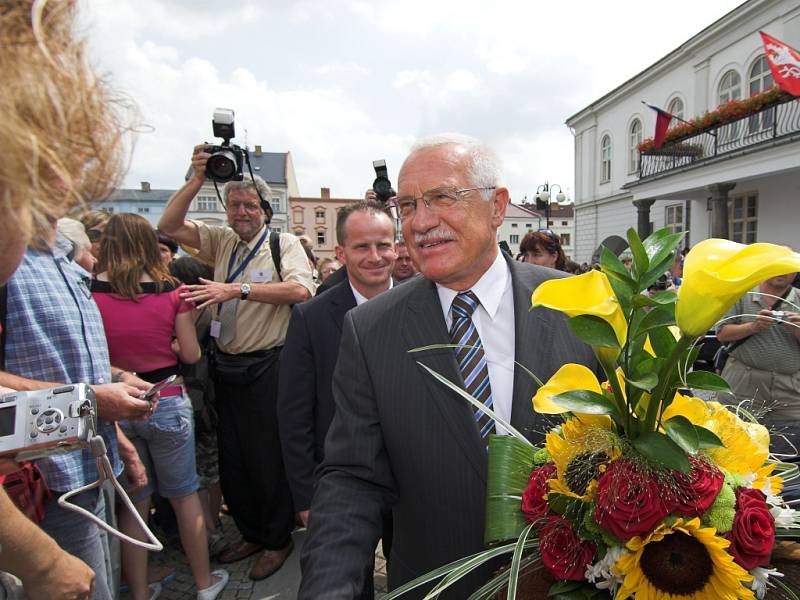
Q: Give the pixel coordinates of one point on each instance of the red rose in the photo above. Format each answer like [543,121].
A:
[630,500]
[563,552]
[753,533]
[534,499]
[698,490]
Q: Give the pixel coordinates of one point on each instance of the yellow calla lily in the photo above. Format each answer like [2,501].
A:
[569,377]
[716,273]
[587,294]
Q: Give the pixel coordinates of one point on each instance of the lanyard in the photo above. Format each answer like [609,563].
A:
[232,276]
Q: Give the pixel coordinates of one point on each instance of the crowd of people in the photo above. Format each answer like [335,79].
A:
[294,388]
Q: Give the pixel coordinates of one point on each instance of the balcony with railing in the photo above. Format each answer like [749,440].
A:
[769,123]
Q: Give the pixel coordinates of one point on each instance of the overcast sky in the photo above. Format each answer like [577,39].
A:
[340,83]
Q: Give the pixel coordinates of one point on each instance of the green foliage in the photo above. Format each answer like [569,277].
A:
[683,432]
[594,331]
[575,590]
[662,340]
[705,380]
[588,402]
[641,262]
[662,316]
[510,465]
[660,449]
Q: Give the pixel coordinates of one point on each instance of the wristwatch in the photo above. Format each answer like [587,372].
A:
[244,290]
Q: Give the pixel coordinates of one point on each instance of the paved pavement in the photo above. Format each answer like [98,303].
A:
[280,586]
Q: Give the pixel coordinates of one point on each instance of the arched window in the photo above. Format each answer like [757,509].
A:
[675,108]
[760,80]
[760,76]
[634,139]
[730,87]
[605,159]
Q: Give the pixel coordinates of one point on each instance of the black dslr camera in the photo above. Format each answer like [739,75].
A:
[227,160]
[382,186]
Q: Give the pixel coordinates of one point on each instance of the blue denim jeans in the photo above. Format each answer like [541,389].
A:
[83,539]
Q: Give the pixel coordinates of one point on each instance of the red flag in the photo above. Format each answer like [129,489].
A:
[784,61]
[663,119]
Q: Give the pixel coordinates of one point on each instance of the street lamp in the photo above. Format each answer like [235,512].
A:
[543,199]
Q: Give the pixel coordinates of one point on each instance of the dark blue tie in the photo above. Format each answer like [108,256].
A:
[470,357]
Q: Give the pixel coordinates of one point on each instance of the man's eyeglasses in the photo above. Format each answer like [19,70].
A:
[437,199]
[248,206]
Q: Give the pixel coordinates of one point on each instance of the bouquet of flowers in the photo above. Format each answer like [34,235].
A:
[641,489]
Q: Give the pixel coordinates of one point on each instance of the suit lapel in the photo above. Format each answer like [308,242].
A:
[424,326]
[533,338]
[342,300]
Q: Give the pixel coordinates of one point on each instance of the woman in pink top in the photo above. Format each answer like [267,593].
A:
[149,328]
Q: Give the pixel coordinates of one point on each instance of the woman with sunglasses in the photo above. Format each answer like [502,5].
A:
[543,248]
[149,328]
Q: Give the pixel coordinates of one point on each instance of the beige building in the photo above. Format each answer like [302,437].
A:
[316,218]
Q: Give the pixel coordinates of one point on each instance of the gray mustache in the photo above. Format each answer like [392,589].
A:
[434,235]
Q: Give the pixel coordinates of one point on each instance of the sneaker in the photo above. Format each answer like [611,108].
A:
[211,592]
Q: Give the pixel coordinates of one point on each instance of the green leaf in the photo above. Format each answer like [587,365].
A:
[708,439]
[510,466]
[656,271]
[665,297]
[585,401]
[658,448]
[706,380]
[662,340]
[623,290]
[594,331]
[564,586]
[658,317]
[646,382]
[683,432]
[641,300]
[661,244]
[640,260]
[563,504]
[612,264]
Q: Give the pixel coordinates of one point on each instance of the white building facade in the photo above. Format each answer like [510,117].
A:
[740,180]
[518,221]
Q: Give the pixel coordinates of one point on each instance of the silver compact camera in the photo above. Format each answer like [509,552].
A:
[44,422]
[779,315]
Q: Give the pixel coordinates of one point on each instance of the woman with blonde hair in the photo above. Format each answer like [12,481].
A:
[149,328]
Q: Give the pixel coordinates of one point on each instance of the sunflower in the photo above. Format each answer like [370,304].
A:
[683,561]
[580,450]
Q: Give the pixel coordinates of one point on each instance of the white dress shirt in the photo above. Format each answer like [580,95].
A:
[494,320]
[360,298]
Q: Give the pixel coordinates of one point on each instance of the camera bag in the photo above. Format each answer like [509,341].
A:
[25,486]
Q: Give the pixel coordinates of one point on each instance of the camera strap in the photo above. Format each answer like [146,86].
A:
[275,250]
[232,276]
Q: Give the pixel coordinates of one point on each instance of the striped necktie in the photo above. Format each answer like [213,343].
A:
[470,357]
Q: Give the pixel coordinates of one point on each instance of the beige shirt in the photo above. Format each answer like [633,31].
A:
[259,326]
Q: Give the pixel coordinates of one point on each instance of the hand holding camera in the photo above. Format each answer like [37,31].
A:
[117,401]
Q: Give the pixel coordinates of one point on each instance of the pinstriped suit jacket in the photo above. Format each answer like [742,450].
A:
[399,438]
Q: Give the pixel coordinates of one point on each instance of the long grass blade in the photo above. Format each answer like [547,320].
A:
[477,404]
[515,562]
[784,588]
[491,587]
[508,472]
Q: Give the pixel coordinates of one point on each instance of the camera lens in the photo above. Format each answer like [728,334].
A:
[221,165]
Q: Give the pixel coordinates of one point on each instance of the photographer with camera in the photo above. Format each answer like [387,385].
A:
[258,276]
[54,109]
[763,364]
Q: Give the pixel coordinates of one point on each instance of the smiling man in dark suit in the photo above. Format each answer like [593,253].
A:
[399,438]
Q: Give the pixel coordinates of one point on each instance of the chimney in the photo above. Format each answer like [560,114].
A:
[325,193]
[258,149]
[145,186]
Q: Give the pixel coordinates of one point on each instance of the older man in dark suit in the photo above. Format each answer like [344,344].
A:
[400,438]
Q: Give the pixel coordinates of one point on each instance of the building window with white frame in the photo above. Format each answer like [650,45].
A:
[321,238]
[565,239]
[513,238]
[206,204]
[277,207]
[634,139]
[143,209]
[605,159]
[760,80]
[673,218]
[743,218]
[319,215]
[730,87]
[676,108]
